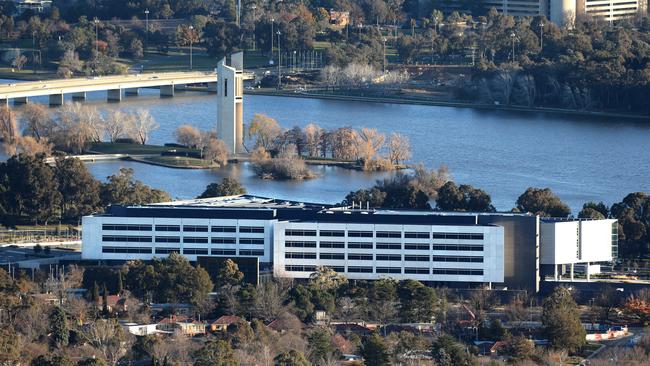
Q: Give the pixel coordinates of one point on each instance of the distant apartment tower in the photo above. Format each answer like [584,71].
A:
[230,102]
[37,6]
[561,12]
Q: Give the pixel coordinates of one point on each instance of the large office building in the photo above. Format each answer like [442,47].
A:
[291,239]
[561,12]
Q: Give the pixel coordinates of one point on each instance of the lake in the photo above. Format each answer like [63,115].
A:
[581,158]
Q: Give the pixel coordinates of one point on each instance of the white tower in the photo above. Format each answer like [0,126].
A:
[230,102]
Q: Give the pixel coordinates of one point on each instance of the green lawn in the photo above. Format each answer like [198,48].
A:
[179,161]
[133,149]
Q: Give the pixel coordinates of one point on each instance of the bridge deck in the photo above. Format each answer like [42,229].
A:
[98,83]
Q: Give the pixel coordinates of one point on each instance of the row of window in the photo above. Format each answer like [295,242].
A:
[385,246]
[390,270]
[383,257]
[177,239]
[188,251]
[186,228]
[385,234]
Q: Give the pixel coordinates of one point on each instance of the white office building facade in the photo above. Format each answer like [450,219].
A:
[290,239]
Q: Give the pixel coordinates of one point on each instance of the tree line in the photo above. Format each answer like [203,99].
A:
[36,192]
[72,128]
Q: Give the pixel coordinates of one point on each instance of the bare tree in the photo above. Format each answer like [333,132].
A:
[313,135]
[370,142]
[217,152]
[343,143]
[69,64]
[8,130]
[107,338]
[37,121]
[264,130]
[399,148]
[116,124]
[269,300]
[31,146]
[74,130]
[142,124]
[188,135]
[176,349]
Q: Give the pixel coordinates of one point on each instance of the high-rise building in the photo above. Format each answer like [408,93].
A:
[561,12]
[230,102]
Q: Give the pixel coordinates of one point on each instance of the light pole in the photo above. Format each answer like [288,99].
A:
[96,35]
[272,21]
[279,63]
[294,59]
[384,59]
[541,36]
[146,30]
[191,34]
[513,36]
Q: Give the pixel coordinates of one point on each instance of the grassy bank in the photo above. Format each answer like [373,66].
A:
[178,162]
[134,149]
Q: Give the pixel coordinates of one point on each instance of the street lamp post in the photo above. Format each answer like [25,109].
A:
[272,21]
[146,30]
[96,35]
[541,37]
[279,63]
[191,28]
[513,36]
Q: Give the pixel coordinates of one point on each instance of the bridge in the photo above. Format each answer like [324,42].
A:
[115,86]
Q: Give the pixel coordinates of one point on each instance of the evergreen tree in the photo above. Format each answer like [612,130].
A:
[291,358]
[94,295]
[374,351]
[215,353]
[561,321]
[105,300]
[59,327]
[120,284]
[227,187]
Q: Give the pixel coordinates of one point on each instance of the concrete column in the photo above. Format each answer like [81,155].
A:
[19,101]
[212,87]
[114,95]
[79,96]
[56,100]
[587,272]
[180,87]
[167,91]
[555,271]
[132,91]
[572,272]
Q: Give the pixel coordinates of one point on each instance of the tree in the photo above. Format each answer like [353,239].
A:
[215,353]
[79,189]
[141,126]
[326,279]
[29,145]
[320,346]
[77,126]
[269,301]
[216,152]
[593,210]
[188,135]
[399,148]
[10,346]
[221,38]
[417,302]
[229,274]
[69,64]
[291,358]
[30,188]
[374,351]
[383,301]
[107,338]
[8,130]
[561,321]
[263,130]
[121,189]
[446,351]
[312,134]
[463,198]
[370,142]
[37,121]
[542,202]
[117,124]
[19,61]
[59,327]
[520,348]
[227,187]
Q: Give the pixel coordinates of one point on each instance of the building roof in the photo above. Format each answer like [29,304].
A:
[227,320]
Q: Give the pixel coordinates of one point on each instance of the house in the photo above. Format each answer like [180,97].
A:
[222,324]
[339,19]
[190,328]
[113,303]
[168,324]
[358,329]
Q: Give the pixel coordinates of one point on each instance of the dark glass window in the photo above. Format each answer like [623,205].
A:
[416,258]
[416,246]
[299,268]
[338,233]
[359,269]
[168,228]
[167,250]
[126,238]
[360,245]
[224,229]
[123,227]
[251,252]
[332,256]
[331,244]
[360,234]
[388,270]
[129,250]
[416,270]
[416,235]
[195,251]
[251,241]
[389,257]
[299,232]
[168,239]
[359,257]
[223,240]
[388,234]
[195,228]
[392,246]
[300,244]
[251,229]
[223,252]
[193,239]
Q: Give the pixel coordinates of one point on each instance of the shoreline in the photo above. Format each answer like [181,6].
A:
[434,103]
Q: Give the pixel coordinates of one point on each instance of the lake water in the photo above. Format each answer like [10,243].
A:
[580,158]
